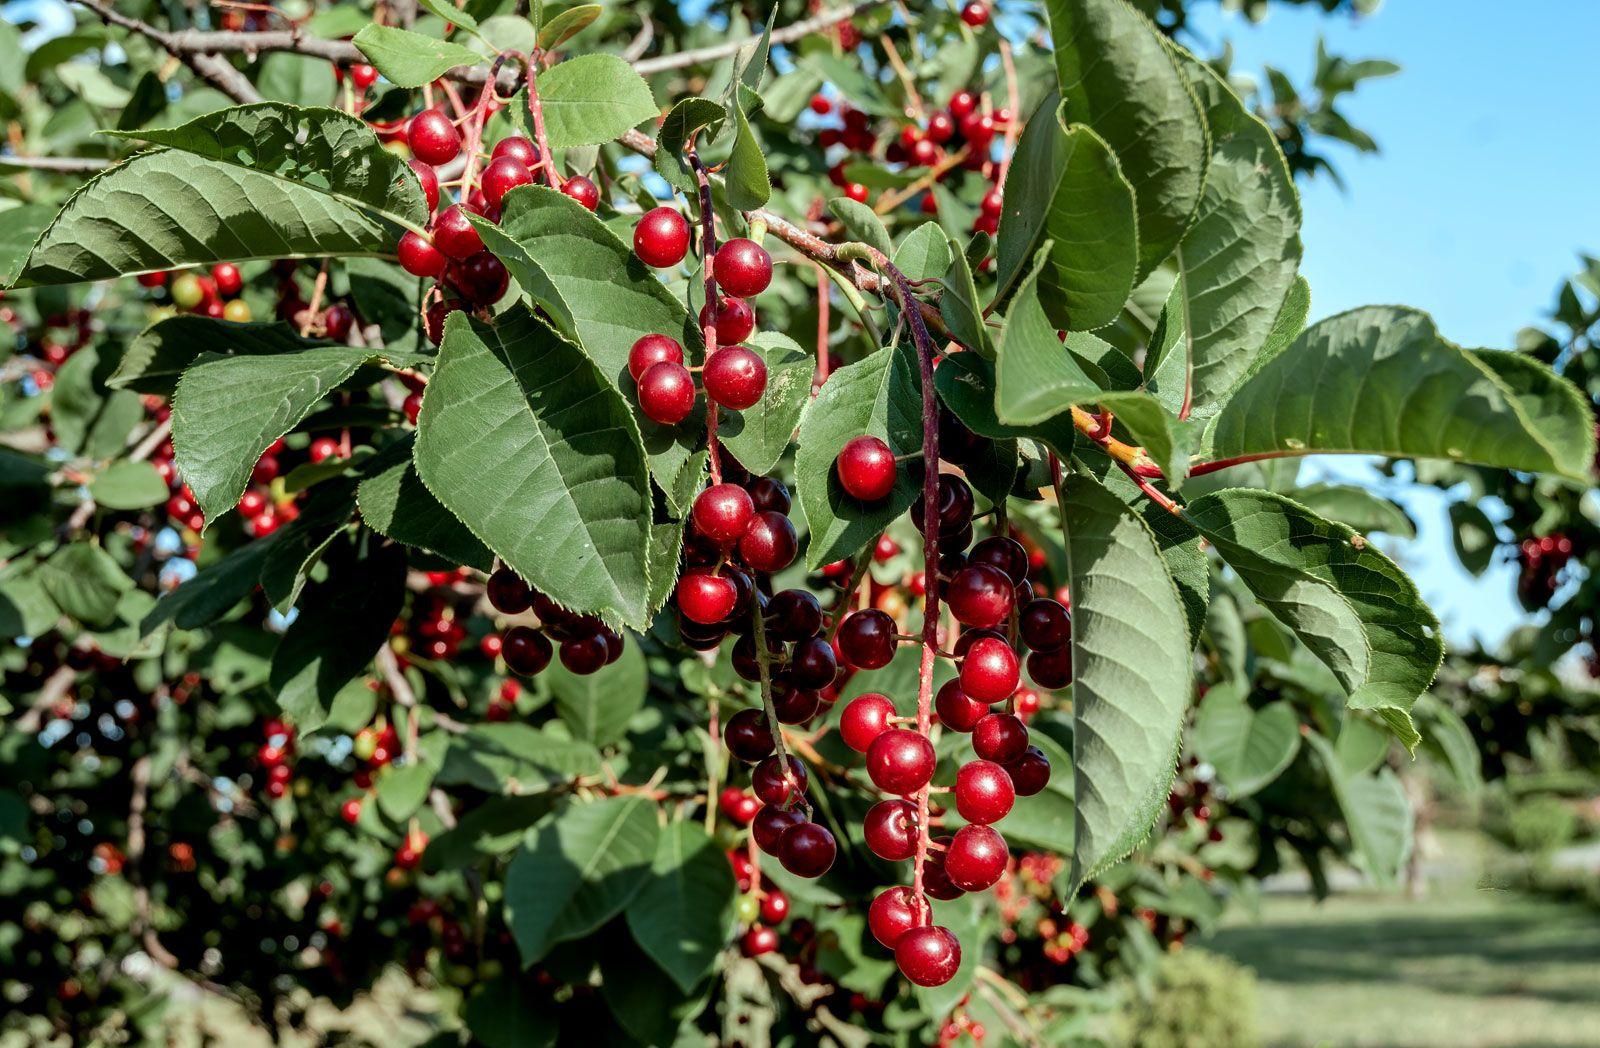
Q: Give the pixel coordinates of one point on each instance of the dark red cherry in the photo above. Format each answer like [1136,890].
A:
[748,737]
[955,506]
[1045,624]
[666,393]
[722,512]
[1030,772]
[742,267]
[999,737]
[507,592]
[807,850]
[770,824]
[661,238]
[958,711]
[769,544]
[812,663]
[893,913]
[585,655]
[735,377]
[1002,552]
[980,595]
[990,671]
[769,494]
[793,614]
[867,639]
[525,651]
[653,349]
[1051,669]
[773,788]
[795,706]
[928,956]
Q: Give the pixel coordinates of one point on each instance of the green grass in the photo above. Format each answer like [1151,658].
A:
[1464,967]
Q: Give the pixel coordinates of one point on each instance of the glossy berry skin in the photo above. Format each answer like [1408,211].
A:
[437,313]
[517,148]
[893,913]
[976,858]
[481,278]
[759,939]
[812,664]
[866,468]
[507,592]
[770,824]
[863,720]
[975,15]
[227,278]
[857,192]
[1045,625]
[1004,553]
[735,377]
[666,393]
[769,783]
[807,850]
[735,320]
[794,706]
[433,139]
[501,177]
[453,233]
[738,805]
[928,956]
[430,182]
[962,103]
[793,614]
[999,737]
[775,907]
[705,598]
[769,494]
[1051,669]
[900,761]
[742,267]
[957,710]
[526,651]
[980,595]
[583,191]
[890,829]
[769,544]
[419,257]
[653,349]
[1030,772]
[990,672]
[748,737]
[661,238]
[867,639]
[955,506]
[984,792]
[585,655]
[722,512]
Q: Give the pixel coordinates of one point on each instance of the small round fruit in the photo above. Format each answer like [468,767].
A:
[419,257]
[864,719]
[857,192]
[807,850]
[893,913]
[962,103]
[735,377]
[653,349]
[1000,737]
[795,706]
[775,907]
[980,595]
[928,956]
[507,592]
[526,651]
[481,278]
[227,278]
[768,493]
[502,176]
[955,506]
[770,824]
[975,15]
[518,148]
[1051,669]
[812,664]
[769,544]
[748,737]
[433,138]
[666,393]
[742,266]
[984,792]
[585,655]
[890,829]
[453,233]
[363,76]
[867,639]
[735,320]
[866,468]
[661,238]
[438,313]
[957,710]
[187,292]
[758,940]
[706,598]
[747,909]
[900,761]
[582,190]
[1001,552]
[1030,772]
[793,614]
[821,105]
[1045,625]
[770,784]
[430,182]
[976,858]
[237,311]
[722,512]
[990,672]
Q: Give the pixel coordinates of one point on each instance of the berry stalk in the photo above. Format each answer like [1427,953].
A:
[708,325]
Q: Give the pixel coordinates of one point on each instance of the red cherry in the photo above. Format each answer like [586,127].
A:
[990,671]
[984,792]
[890,829]
[976,858]
[735,320]
[661,238]
[769,543]
[705,598]
[955,506]
[526,651]
[795,706]
[769,493]
[759,939]
[409,855]
[900,761]
[820,105]
[992,202]
[507,592]
[323,449]
[770,824]
[337,321]
[811,664]
[226,276]
[501,177]
[433,138]
[748,737]
[867,639]
[775,907]
[363,76]
[1045,625]
[350,810]
[735,377]
[928,956]
[518,148]
[738,805]
[924,153]
[419,257]
[975,15]
[1004,553]
[481,278]
[1051,669]
[1030,772]
[962,103]
[722,512]
[893,913]
[980,595]
[866,468]
[999,737]
[582,190]
[436,317]
[251,503]
[666,393]
[864,719]
[742,267]
[585,655]
[941,128]
[807,850]
[957,710]
[978,130]
[773,788]
[857,192]
[430,182]
[793,614]
[453,233]
[653,349]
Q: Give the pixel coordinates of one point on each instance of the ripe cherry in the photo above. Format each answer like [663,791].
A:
[227,278]
[864,719]
[990,671]
[795,705]
[501,177]
[890,829]
[735,320]
[980,595]
[661,238]
[507,592]
[722,512]
[585,655]
[928,956]
[1045,624]
[793,614]
[419,257]
[769,493]
[941,128]
[742,266]
[433,138]
[992,202]
[706,598]
[517,148]
[962,103]
[976,858]
[857,192]
[866,468]
[893,913]
[775,907]
[735,377]
[350,810]
[956,709]
[773,788]
[1051,669]
[324,448]
[821,105]
[748,737]
[430,182]
[769,544]
[738,805]
[900,761]
[582,190]
[975,15]
[363,76]
[1003,552]
[436,317]
[666,393]
[759,939]
[770,824]
[867,639]
[453,233]
[955,506]
[811,664]
[1030,772]
[807,850]
[984,792]
[653,349]
[999,737]
[481,278]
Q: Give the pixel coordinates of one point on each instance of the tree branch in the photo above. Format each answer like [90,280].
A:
[788,34]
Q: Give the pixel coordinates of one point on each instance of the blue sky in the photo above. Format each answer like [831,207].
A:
[1475,210]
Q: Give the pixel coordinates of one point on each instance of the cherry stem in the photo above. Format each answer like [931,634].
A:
[537,109]
[847,598]
[475,121]
[764,666]
[708,329]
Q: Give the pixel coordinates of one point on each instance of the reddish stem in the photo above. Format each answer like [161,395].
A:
[708,328]
[537,110]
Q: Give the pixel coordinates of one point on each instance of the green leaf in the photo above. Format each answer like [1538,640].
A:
[1118,76]
[214,591]
[567,24]
[745,178]
[410,59]
[577,870]
[129,485]
[877,396]
[228,410]
[86,419]
[759,435]
[160,354]
[342,623]
[502,1014]
[1347,602]
[958,306]
[1381,381]
[1237,263]
[683,916]
[1357,507]
[450,13]
[487,830]
[1473,535]
[402,789]
[861,223]
[596,707]
[966,384]
[1376,813]
[297,79]
[19,228]
[516,759]
[1064,188]
[1131,675]
[519,404]
[259,181]
[326,512]
[1249,747]
[592,99]
[394,502]
[688,116]
[84,582]
[924,253]
[1446,736]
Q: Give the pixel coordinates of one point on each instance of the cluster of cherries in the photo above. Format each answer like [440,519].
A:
[274,755]
[734,376]
[214,295]
[52,351]
[1541,561]
[587,644]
